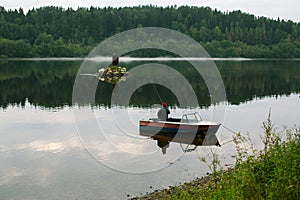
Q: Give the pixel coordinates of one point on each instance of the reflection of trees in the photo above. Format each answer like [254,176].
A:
[251,79]
[50,83]
[44,83]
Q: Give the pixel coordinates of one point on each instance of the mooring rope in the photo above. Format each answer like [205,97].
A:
[230,130]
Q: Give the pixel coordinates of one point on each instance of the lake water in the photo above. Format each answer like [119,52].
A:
[54,148]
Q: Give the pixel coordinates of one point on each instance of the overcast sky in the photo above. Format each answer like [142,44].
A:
[285,9]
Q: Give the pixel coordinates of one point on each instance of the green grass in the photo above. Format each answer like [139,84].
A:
[272,173]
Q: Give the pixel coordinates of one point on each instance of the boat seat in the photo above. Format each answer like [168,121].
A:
[173,120]
[154,119]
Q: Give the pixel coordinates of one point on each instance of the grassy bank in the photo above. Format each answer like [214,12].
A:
[271,173]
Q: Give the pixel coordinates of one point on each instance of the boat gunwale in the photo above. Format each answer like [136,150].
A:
[201,123]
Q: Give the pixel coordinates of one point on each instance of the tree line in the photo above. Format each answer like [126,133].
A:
[58,32]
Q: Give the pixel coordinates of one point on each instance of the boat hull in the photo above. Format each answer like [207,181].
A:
[182,133]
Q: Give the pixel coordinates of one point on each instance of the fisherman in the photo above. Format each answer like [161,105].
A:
[163,112]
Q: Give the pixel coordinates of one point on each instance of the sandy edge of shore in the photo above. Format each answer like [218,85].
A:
[160,194]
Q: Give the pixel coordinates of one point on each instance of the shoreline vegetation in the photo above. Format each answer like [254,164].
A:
[130,59]
[58,32]
[271,173]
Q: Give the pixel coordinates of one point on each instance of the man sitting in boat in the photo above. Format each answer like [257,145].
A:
[163,112]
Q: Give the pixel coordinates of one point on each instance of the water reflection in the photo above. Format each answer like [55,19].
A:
[163,141]
[49,84]
[42,156]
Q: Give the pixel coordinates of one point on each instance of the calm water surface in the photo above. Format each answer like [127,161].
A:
[44,155]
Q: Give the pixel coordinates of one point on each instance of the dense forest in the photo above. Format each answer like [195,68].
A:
[59,32]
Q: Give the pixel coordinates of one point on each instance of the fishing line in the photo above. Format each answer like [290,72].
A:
[157,93]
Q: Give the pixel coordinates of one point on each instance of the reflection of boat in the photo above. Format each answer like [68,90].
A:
[190,129]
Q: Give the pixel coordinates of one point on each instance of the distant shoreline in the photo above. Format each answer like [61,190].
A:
[130,59]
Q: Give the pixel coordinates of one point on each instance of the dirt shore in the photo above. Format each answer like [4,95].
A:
[161,194]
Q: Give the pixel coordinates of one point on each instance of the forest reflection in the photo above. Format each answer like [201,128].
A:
[49,84]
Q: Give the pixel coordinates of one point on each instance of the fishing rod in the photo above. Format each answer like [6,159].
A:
[157,93]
